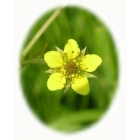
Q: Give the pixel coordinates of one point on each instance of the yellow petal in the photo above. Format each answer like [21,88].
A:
[72,49]
[81,85]
[90,62]
[56,81]
[53,59]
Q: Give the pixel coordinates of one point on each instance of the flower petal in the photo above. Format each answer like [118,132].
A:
[56,81]
[81,85]
[90,62]
[53,59]
[72,49]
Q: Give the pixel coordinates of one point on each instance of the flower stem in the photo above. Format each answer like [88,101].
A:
[41,30]
[33,61]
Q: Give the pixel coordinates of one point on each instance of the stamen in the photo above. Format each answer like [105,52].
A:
[71,69]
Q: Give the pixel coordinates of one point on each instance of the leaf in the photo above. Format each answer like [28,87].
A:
[84,51]
[59,50]
[70,121]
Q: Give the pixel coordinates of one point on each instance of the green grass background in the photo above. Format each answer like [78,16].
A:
[70,111]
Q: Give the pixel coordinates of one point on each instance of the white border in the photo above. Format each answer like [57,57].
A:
[112,126]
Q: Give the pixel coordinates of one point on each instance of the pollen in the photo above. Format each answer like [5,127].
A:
[71,68]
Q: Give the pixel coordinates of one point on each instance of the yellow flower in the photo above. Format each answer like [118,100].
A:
[70,68]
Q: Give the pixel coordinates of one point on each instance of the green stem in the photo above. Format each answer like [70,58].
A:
[40,32]
[33,61]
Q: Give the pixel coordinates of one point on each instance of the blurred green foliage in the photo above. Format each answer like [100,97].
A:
[70,111]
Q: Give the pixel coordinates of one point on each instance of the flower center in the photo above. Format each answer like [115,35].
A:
[71,68]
